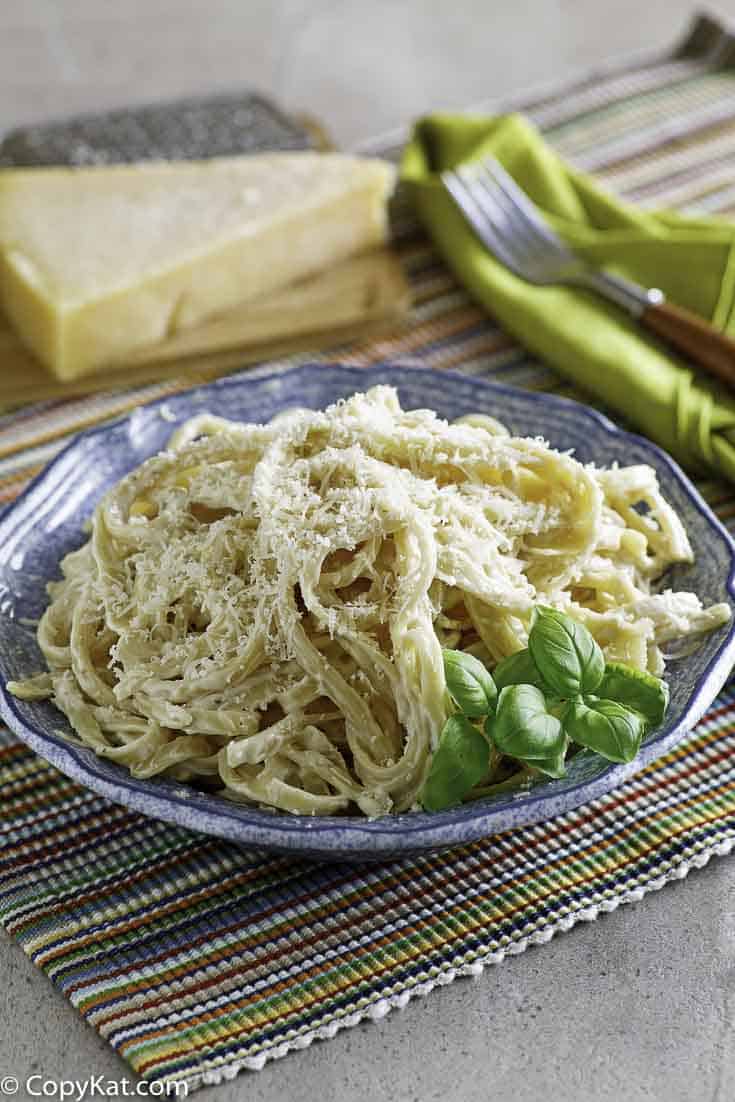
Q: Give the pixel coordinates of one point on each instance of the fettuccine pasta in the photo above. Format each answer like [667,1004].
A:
[261,609]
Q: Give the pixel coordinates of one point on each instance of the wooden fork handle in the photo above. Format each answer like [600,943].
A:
[695,337]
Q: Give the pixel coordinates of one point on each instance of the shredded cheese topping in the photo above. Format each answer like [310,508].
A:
[262,608]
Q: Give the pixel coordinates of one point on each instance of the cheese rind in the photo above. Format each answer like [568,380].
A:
[98,263]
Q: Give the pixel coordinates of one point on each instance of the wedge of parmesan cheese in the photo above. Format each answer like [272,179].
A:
[98,262]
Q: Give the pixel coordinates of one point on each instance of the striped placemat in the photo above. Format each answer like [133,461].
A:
[195,958]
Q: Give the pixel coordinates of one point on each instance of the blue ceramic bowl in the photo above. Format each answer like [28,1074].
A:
[46,522]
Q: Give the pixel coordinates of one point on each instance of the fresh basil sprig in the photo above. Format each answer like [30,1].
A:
[556,692]
[470,685]
[460,762]
[524,728]
[567,657]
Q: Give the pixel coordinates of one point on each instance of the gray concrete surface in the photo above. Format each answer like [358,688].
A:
[636,1006]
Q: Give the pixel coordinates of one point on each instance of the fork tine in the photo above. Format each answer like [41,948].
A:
[529,249]
[521,204]
[518,245]
[483,225]
[523,239]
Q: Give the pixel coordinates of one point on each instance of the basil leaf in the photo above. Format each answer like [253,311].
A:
[635,689]
[554,766]
[517,669]
[567,657]
[524,729]
[470,685]
[608,728]
[460,761]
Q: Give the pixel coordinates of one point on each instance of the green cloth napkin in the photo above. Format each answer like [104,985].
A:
[586,339]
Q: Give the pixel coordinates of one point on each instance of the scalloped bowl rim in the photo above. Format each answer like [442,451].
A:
[350,836]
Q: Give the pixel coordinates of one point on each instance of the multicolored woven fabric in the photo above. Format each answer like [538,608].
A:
[194,958]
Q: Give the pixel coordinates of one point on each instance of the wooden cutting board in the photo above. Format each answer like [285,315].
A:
[366,294]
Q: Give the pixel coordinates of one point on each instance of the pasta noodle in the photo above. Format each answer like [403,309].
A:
[262,608]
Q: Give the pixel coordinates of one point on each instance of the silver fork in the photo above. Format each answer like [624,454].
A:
[511,227]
